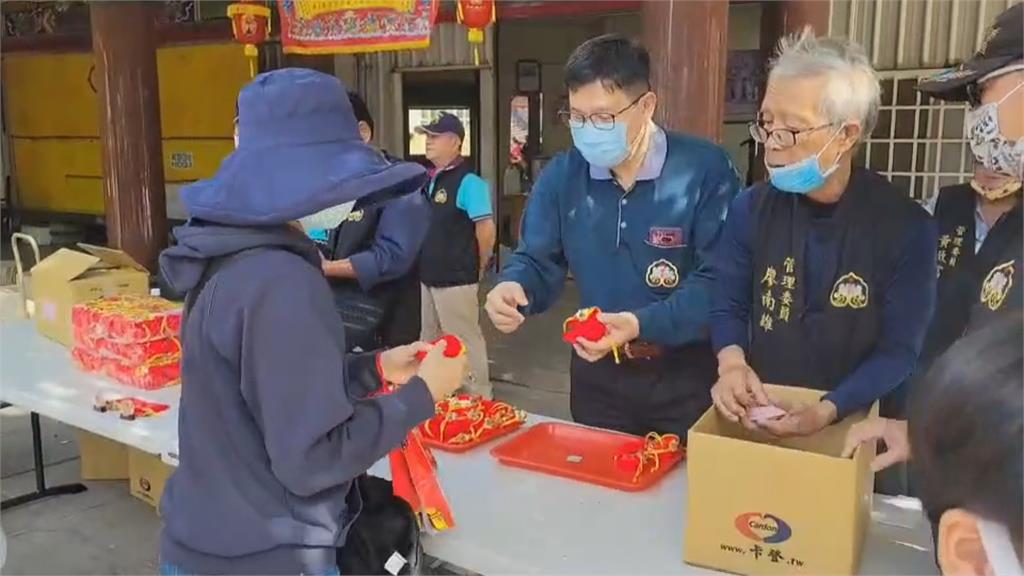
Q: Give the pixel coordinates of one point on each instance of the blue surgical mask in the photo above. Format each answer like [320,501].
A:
[602,148]
[803,176]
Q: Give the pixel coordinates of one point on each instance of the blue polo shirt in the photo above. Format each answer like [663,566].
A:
[648,250]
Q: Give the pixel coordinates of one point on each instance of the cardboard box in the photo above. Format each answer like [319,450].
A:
[793,506]
[68,277]
[101,458]
[147,476]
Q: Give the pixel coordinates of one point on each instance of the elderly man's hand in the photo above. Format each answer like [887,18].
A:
[737,389]
[802,420]
[622,327]
[892,432]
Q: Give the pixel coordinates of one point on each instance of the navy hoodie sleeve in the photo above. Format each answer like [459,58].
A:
[293,380]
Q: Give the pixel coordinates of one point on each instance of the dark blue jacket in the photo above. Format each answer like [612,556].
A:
[623,248]
[274,423]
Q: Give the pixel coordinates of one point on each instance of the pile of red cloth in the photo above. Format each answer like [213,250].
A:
[132,339]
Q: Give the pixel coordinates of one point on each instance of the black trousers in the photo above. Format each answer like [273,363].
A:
[667,394]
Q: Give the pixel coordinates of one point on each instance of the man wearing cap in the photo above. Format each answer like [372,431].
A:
[981,249]
[457,249]
[980,253]
[634,212]
[369,260]
[276,420]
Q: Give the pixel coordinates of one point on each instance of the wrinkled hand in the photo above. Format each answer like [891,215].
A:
[737,389]
[892,432]
[802,420]
[502,306]
[622,327]
[400,364]
[442,375]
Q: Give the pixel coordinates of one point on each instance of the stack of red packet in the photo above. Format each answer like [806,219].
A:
[132,339]
[413,468]
[645,456]
[466,419]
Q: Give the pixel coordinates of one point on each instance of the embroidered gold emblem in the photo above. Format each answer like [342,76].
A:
[441,196]
[355,216]
[849,291]
[997,285]
[662,274]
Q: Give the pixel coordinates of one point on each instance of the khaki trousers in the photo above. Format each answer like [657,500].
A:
[456,310]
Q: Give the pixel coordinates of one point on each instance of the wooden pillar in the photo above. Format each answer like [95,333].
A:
[688,42]
[124,46]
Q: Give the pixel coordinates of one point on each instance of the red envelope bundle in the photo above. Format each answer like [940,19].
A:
[645,456]
[132,339]
[152,374]
[465,421]
[126,319]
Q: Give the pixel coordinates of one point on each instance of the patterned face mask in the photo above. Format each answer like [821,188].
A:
[990,148]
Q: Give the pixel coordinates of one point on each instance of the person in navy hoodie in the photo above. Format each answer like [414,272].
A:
[276,420]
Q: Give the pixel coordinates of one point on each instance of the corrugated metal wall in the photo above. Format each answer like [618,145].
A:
[914,34]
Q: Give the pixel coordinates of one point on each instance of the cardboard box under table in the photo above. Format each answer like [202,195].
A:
[148,475]
[762,506]
[68,277]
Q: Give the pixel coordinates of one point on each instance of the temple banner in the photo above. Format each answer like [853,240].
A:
[352,26]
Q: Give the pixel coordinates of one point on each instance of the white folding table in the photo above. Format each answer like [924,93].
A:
[509,521]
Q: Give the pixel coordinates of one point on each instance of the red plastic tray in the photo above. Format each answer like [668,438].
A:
[579,453]
[481,440]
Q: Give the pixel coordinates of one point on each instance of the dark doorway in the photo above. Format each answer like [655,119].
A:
[425,94]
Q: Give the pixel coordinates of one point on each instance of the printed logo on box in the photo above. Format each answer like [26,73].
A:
[766,528]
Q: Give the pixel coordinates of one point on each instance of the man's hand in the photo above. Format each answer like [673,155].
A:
[802,421]
[622,327]
[400,364]
[337,268]
[892,432]
[443,375]
[502,306]
[738,386]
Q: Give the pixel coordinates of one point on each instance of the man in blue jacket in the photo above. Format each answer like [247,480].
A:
[634,212]
[369,260]
[276,420]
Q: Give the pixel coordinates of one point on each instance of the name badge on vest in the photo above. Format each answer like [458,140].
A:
[997,285]
[441,196]
[665,237]
[662,274]
[850,291]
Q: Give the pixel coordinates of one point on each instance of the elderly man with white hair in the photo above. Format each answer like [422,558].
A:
[826,273]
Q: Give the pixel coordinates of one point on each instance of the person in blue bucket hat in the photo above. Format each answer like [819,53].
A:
[276,420]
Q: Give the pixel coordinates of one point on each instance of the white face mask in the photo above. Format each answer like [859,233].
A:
[1002,555]
[990,148]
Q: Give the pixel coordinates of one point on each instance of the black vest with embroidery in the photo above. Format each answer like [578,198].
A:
[974,289]
[449,256]
[815,340]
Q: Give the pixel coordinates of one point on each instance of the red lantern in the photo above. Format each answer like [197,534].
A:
[250,24]
[476,15]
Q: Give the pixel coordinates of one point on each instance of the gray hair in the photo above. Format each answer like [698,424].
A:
[852,91]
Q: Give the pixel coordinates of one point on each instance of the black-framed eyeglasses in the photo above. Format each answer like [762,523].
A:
[600,120]
[780,137]
[974,94]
